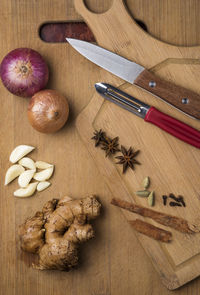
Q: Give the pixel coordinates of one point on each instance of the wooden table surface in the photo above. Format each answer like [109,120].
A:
[114,262]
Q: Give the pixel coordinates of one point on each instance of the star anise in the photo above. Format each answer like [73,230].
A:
[99,136]
[128,158]
[110,145]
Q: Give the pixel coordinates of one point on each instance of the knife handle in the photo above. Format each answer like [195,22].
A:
[180,97]
[175,127]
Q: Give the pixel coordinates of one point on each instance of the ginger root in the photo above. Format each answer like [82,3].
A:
[55,232]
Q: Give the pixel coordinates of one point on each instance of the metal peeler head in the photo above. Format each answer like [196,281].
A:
[122,99]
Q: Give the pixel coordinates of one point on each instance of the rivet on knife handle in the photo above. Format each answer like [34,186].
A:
[180,97]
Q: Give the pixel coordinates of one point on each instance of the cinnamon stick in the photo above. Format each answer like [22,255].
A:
[151,231]
[177,223]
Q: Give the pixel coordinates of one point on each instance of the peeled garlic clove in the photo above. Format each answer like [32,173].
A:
[26,177]
[28,163]
[43,175]
[42,165]
[13,172]
[26,192]
[19,152]
[43,185]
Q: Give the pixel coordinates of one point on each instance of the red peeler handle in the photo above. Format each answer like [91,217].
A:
[175,127]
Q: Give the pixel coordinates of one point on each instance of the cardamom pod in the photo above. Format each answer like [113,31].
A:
[151,199]
[146,182]
[142,193]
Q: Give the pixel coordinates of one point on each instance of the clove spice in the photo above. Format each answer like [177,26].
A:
[174,204]
[178,201]
[164,200]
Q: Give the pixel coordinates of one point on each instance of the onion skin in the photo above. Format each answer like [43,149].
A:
[48,111]
[24,72]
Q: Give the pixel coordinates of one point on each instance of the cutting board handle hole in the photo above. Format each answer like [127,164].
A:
[98,6]
[57,32]
[141,24]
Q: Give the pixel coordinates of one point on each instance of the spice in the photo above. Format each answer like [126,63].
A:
[151,199]
[180,199]
[151,231]
[172,196]
[146,182]
[174,204]
[146,193]
[128,158]
[142,193]
[177,223]
[99,136]
[164,200]
[110,146]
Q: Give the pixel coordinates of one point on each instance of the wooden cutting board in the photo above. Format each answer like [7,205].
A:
[172,165]
[110,263]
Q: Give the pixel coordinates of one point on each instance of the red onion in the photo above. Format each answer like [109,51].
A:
[24,72]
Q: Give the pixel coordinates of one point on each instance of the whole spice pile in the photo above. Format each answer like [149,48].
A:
[156,233]
[177,201]
[111,147]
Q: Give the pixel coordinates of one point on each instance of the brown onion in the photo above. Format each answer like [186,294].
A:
[48,111]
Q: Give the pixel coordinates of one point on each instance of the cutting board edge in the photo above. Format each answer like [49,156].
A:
[172,282]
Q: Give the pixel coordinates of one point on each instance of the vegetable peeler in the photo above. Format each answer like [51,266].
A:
[150,114]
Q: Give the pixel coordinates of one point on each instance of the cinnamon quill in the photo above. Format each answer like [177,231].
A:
[151,231]
[177,223]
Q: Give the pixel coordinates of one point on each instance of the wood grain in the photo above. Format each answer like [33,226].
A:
[170,93]
[111,262]
[167,160]
[174,22]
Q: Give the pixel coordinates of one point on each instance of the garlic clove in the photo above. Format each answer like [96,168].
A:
[26,192]
[42,165]
[25,178]
[44,175]
[27,163]
[13,172]
[19,152]
[43,185]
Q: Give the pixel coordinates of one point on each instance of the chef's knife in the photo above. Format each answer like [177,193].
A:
[150,114]
[179,97]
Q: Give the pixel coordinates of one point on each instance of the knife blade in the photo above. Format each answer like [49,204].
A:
[179,97]
[150,114]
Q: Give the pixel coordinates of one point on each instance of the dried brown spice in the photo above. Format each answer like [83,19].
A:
[178,199]
[177,223]
[151,231]
[173,197]
[181,200]
[110,146]
[174,204]
[164,200]
[128,158]
[99,137]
